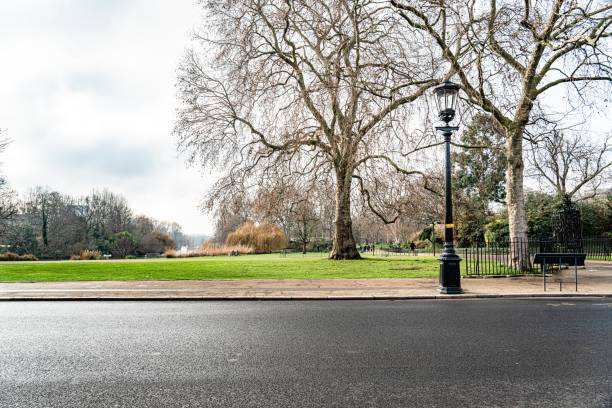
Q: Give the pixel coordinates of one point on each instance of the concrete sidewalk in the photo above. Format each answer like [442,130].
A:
[594,280]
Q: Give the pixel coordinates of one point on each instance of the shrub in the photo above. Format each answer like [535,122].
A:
[87,255]
[122,244]
[497,230]
[167,242]
[262,238]
[210,249]
[11,256]
[171,253]
[422,244]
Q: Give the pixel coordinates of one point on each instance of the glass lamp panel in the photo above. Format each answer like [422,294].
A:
[439,100]
[453,105]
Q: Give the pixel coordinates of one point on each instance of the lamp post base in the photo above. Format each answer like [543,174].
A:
[450,290]
[450,274]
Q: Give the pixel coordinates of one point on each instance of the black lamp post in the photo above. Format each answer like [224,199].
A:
[450,272]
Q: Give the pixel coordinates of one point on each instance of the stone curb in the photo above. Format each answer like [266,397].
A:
[303,298]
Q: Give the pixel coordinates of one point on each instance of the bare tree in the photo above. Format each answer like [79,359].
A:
[8,203]
[413,208]
[317,88]
[56,220]
[294,208]
[231,207]
[508,55]
[106,213]
[8,197]
[306,222]
[572,165]
[274,204]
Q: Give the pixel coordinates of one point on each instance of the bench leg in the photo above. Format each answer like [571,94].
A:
[576,272]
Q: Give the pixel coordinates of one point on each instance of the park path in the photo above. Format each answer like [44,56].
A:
[595,280]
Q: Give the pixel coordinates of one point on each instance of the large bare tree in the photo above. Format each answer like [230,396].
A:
[509,56]
[319,87]
[571,164]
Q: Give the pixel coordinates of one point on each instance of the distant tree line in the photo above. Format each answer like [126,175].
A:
[52,225]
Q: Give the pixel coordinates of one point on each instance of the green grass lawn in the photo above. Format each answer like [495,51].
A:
[215,268]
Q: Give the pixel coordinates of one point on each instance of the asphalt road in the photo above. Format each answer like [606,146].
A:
[484,352]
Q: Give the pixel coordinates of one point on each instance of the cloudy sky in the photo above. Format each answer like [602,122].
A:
[88,99]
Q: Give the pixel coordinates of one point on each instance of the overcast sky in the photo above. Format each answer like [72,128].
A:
[87,96]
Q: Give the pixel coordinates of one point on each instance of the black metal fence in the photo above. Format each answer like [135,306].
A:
[598,249]
[504,258]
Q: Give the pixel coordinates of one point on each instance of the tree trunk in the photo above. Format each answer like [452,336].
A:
[344,246]
[515,199]
[45,227]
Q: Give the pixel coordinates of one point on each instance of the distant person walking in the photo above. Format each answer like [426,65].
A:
[413,248]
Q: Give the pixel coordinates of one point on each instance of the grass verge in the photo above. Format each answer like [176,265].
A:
[251,267]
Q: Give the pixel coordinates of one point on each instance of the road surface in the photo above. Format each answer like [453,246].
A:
[482,352]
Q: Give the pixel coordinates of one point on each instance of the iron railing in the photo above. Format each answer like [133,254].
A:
[515,257]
